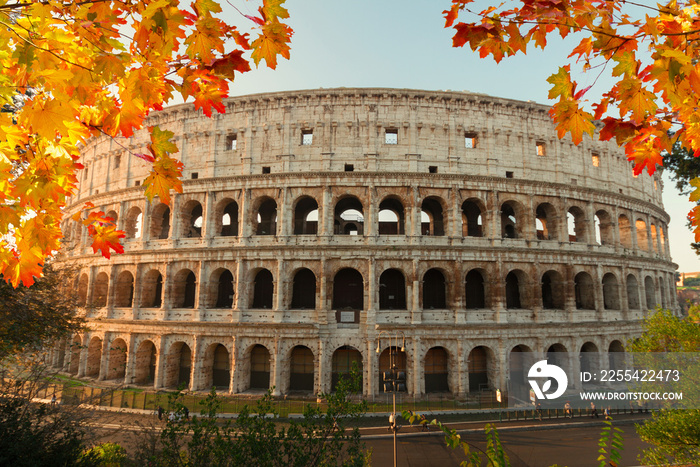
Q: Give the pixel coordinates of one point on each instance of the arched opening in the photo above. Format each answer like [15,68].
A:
[434,290]
[304,290]
[152,289]
[435,225]
[349,217]
[604,232]
[263,290]
[229,220]
[306,216]
[472,220]
[133,223]
[391,355]
[224,290]
[178,366]
[392,290]
[589,358]
[552,290]
[479,368]
[113,215]
[342,363]
[100,290]
[514,298]
[184,289]
[546,222]
[650,292]
[160,221]
[301,369]
[75,347]
[576,224]
[266,218]
[145,363]
[474,291]
[642,239]
[584,291]
[611,293]
[625,231]
[259,367]
[436,370]
[124,292]
[117,359]
[391,217]
[632,292]
[509,221]
[616,356]
[82,290]
[221,368]
[192,219]
[348,290]
[94,357]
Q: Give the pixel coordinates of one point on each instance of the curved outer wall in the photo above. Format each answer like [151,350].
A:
[457,219]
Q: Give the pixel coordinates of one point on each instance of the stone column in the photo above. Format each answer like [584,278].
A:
[197,365]
[161,363]
[104,358]
[130,360]
[325,218]
[416,371]
[278,292]
[209,222]
[416,308]
[371,288]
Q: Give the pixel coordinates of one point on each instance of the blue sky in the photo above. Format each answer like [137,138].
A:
[403,44]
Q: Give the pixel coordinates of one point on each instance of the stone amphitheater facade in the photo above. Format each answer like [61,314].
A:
[314,225]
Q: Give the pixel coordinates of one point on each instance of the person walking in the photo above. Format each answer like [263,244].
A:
[567,410]
[594,411]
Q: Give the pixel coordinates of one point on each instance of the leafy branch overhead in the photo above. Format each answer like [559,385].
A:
[98,68]
[651,51]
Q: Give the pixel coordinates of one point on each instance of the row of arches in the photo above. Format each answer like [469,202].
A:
[479,289]
[432,217]
[301,369]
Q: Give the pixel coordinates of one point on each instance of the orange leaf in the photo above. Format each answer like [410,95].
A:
[105,237]
[164,176]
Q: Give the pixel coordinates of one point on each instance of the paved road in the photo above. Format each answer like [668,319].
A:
[572,443]
[572,447]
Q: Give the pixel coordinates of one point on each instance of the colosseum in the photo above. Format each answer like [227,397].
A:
[315,225]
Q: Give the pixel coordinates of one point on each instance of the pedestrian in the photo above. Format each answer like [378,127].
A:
[567,410]
[53,400]
[606,412]
[594,411]
[187,413]
[538,411]
[160,413]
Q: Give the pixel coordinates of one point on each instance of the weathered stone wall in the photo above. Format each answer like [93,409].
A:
[344,213]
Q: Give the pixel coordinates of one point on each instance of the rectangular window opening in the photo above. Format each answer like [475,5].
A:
[195,175]
[509,174]
[117,161]
[540,148]
[391,136]
[349,167]
[470,140]
[307,137]
[432,169]
[595,159]
[232,142]
[266,170]
[137,183]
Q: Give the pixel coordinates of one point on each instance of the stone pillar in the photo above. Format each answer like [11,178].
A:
[454,219]
[322,307]
[276,370]
[82,365]
[161,363]
[197,365]
[285,216]
[245,216]
[370,369]
[416,371]
[209,222]
[416,308]
[498,294]
[130,360]
[371,288]
[325,218]
[240,293]
[104,358]
[322,375]
[371,228]
[590,220]
[278,292]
